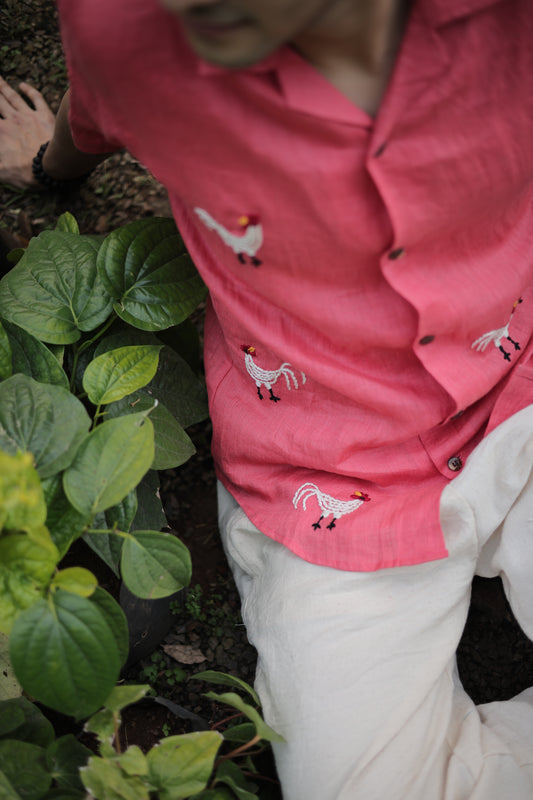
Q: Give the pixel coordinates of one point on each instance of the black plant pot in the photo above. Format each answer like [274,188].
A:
[149,621]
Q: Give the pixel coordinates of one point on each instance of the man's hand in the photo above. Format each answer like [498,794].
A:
[22,131]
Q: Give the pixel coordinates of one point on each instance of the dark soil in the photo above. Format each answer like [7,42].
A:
[495,658]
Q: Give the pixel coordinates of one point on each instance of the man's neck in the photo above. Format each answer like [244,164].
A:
[354,45]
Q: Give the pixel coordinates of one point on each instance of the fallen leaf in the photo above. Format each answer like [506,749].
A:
[184,653]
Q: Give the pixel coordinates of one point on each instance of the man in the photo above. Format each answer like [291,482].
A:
[353,179]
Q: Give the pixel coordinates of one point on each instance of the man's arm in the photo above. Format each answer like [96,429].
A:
[62,159]
[24,129]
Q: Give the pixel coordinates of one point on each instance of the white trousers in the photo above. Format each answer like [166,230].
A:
[357,670]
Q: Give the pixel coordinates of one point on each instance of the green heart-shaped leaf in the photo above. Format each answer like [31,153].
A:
[149,516]
[65,757]
[54,291]
[154,564]
[115,618]
[110,462]
[174,386]
[33,358]
[179,389]
[42,419]
[64,522]
[64,653]
[67,222]
[120,372]
[181,765]
[109,545]
[146,269]
[24,765]
[22,720]
[173,446]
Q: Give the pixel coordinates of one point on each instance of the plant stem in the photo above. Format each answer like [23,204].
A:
[116,726]
[257,777]
[108,530]
[97,414]
[105,327]
[225,720]
[87,343]
[239,750]
[74,367]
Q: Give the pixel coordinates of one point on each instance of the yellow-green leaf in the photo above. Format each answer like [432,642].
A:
[22,502]
[110,462]
[181,765]
[26,566]
[104,779]
[119,372]
[77,580]
[122,696]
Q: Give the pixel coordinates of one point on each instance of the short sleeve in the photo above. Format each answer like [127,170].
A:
[91,127]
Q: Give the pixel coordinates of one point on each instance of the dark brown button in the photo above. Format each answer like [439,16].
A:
[398,253]
[381,149]
[426,340]
[455,463]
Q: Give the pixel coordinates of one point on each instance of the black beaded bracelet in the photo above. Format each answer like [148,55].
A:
[54,184]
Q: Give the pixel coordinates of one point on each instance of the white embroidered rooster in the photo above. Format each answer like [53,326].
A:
[247,244]
[498,336]
[268,377]
[330,506]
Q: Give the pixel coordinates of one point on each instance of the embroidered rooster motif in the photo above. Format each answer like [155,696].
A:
[498,336]
[268,377]
[247,244]
[330,506]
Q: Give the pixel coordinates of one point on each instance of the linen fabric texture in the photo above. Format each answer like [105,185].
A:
[370,279]
[357,670]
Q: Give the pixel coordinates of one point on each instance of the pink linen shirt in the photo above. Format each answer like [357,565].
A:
[371,298]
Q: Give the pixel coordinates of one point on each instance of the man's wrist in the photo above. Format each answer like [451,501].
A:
[48,181]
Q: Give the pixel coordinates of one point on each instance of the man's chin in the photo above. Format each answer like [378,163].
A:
[226,54]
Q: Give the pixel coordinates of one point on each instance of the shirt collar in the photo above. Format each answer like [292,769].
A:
[306,90]
[302,86]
